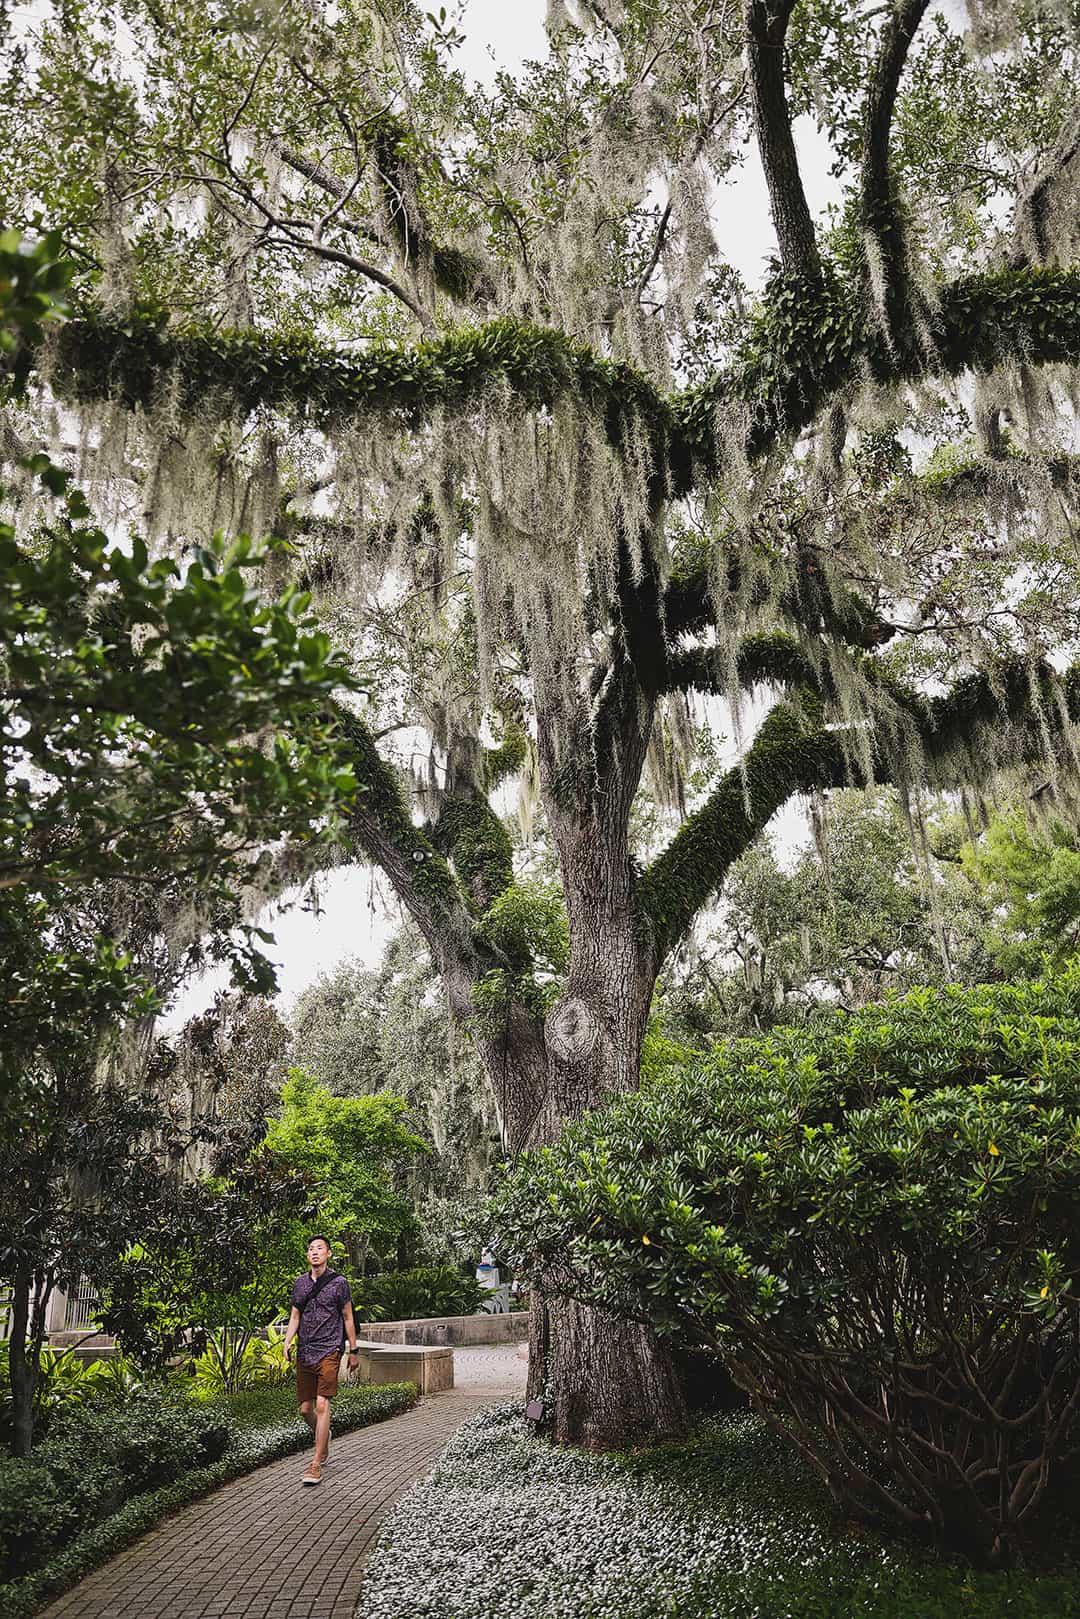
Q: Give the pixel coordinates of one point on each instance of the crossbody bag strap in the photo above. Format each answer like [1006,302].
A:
[320,1283]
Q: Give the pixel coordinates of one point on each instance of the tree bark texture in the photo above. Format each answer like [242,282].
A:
[766,30]
[22,1368]
[603,1383]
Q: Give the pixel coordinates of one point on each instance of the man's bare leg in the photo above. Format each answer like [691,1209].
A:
[307,1411]
[322,1429]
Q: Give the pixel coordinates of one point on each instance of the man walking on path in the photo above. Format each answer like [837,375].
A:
[320,1318]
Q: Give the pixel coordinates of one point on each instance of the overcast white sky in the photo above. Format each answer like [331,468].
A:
[354,919]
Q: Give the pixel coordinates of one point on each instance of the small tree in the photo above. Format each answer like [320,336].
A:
[210,1262]
[139,781]
[351,1149]
[140,786]
[97,1194]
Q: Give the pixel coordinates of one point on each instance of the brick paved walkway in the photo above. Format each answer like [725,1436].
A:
[242,1552]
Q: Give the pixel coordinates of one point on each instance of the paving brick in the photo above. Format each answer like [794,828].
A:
[266,1547]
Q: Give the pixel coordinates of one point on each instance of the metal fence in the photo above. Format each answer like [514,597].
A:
[81,1304]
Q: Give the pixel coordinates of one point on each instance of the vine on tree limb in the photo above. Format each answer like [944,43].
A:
[797,753]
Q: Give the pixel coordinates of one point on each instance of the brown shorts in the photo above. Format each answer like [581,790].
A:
[320,1379]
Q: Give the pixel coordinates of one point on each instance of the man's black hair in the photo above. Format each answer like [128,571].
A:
[317,1236]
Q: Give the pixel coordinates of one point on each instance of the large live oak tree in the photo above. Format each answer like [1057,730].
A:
[480,357]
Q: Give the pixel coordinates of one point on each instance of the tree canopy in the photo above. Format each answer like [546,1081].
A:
[549,463]
[594,398]
[139,775]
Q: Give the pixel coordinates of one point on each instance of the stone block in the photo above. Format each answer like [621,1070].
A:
[431,1369]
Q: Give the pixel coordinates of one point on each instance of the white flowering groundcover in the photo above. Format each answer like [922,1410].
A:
[506,1524]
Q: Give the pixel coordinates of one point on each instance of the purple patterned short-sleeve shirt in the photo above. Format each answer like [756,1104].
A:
[322,1329]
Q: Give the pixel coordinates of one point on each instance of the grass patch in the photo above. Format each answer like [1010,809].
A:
[264,1426]
[729,1526]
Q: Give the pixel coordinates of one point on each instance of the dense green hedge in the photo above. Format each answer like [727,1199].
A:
[95,1458]
[406,1295]
[48,1503]
[877,1222]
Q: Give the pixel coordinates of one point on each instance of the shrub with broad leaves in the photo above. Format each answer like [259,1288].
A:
[233,1361]
[65,1380]
[417,1294]
[876,1222]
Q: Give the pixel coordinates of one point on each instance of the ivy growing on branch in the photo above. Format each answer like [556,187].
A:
[807,342]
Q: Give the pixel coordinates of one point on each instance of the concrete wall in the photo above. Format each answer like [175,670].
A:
[85,1346]
[510,1327]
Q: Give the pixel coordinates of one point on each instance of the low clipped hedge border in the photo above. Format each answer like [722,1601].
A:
[355,1408]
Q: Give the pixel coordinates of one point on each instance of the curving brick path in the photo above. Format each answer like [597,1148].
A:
[264,1547]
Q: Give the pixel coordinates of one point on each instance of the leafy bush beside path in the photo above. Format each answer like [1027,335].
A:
[877,1223]
[424,1291]
[110,1471]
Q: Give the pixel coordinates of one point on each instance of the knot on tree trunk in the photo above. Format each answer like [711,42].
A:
[571,1030]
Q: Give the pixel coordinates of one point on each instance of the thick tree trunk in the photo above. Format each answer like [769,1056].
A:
[603,1383]
[22,1368]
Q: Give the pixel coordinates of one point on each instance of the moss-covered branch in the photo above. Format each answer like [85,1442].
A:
[1034,701]
[811,340]
[811,600]
[760,660]
[807,343]
[819,603]
[788,755]
[384,832]
[457,883]
[471,835]
[795,753]
[138,359]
